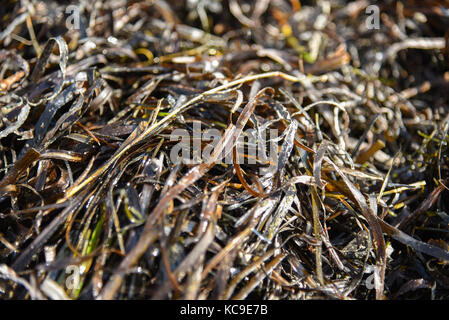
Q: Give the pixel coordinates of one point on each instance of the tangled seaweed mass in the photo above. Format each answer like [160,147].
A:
[233,149]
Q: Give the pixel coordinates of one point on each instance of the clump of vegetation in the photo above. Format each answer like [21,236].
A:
[224,149]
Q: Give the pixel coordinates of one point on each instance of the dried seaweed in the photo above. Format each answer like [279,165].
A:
[224,150]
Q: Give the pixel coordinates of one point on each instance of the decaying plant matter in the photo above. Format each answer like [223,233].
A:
[93,205]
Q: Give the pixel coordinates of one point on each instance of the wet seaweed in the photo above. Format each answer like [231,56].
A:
[128,139]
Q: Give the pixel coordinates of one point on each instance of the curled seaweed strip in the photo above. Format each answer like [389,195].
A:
[417,245]
[20,120]
[44,121]
[39,68]
[20,166]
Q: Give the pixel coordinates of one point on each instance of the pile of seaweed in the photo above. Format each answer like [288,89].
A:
[127,134]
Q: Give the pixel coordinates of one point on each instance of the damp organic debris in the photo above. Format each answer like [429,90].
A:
[235,149]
